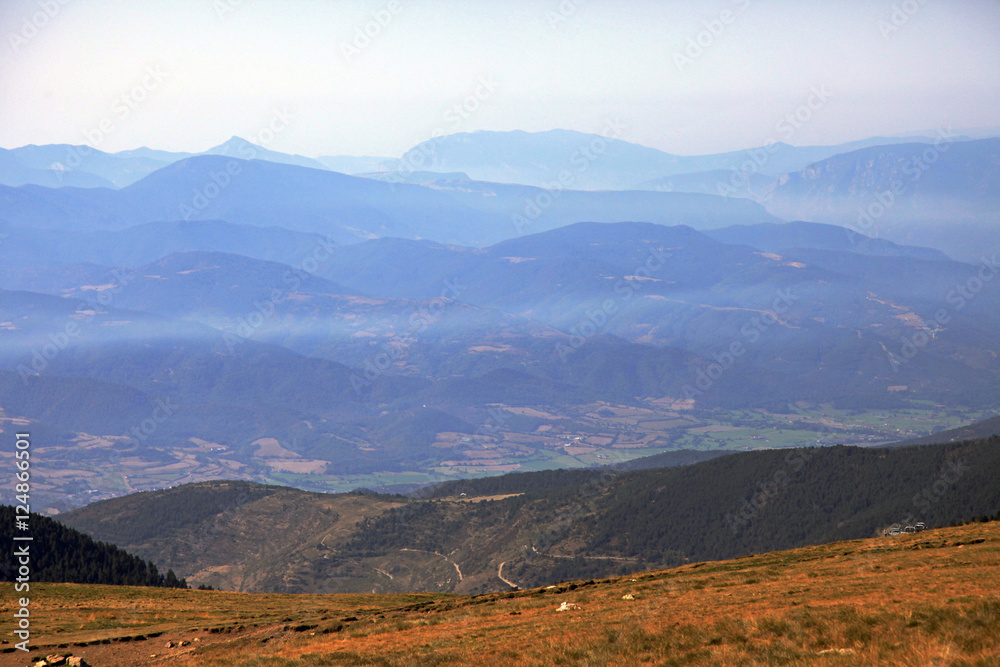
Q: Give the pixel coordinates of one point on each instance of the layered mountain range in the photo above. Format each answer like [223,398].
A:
[249,314]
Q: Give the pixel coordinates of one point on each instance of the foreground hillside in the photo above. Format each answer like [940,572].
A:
[921,599]
[535,529]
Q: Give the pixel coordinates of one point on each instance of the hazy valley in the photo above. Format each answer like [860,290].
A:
[582,334]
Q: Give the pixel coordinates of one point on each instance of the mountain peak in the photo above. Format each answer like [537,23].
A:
[232,144]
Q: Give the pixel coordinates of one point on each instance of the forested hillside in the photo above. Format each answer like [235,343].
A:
[63,555]
[549,525]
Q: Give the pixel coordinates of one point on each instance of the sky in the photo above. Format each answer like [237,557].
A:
[330,77]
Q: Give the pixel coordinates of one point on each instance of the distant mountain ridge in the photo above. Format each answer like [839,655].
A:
[141,244]
[601,161]
[507,157]
[347,209]
[945,195]
[62,165]
[781,238]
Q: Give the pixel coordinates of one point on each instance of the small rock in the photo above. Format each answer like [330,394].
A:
[55,659]
[628,596]
[183,642]
[567,606]
[170,644]
[74,661]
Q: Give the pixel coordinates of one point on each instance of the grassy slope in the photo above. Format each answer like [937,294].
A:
[254,538]
[927,598]
[239,535]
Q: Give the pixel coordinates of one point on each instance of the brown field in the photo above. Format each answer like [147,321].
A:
[930,598]
[479,499]
[271,448]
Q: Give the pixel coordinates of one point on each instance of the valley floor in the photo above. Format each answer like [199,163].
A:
[571,437]
[918,599]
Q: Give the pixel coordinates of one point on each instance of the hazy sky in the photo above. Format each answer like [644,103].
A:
[296,76]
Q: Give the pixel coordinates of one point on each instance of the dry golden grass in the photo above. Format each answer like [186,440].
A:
[931,598]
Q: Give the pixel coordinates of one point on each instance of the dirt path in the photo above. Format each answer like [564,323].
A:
[624,558]
[506,581]
[454,564]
